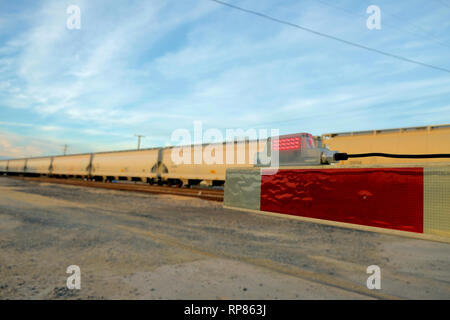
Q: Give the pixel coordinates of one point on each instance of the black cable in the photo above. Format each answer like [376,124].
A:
[354,44]
[344,156]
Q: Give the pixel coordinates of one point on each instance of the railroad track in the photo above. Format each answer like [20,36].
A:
[202,193]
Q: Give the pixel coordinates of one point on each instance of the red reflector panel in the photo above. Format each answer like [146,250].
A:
[384,197]
[292,143]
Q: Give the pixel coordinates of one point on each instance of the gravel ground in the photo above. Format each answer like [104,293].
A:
[143,246]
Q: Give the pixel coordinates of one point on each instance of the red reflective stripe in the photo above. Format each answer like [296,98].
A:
[311,141]
[383,197]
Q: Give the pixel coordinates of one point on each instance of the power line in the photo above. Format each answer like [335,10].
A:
[354,44]
[424,33]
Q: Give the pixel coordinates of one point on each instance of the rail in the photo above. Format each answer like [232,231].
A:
[202,193]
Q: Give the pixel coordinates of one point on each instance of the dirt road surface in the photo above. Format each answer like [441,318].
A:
[143,246]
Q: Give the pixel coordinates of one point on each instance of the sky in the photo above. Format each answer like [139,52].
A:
[151,67]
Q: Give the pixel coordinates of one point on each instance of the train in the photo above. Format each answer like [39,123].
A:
[159,166]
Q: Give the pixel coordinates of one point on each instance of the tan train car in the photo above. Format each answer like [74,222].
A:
[413,140]
[71,166]
[3,166]
[38,166]
[213,162]
[16,166]
[134,165]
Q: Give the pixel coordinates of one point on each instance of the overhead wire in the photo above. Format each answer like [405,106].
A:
[325,35]
[424,33]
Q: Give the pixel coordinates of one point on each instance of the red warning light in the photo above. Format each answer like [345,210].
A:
[292,143]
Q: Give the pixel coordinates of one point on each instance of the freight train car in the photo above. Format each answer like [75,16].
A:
[3,166]
[38,166]
[71,166]
[215,158]
[137,165]
[17,166]
[413,140]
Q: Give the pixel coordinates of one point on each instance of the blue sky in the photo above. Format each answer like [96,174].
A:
[150,67]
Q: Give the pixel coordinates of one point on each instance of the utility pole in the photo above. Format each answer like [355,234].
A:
[139,136]
[65,149]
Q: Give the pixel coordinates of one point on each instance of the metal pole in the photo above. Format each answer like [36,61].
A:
[139,140]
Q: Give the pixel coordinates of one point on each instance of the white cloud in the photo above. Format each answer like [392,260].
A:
[16,146]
